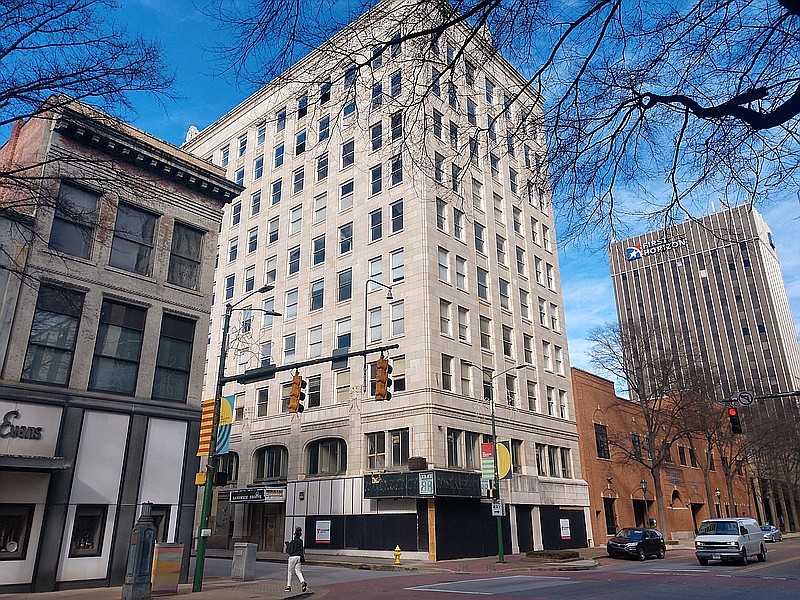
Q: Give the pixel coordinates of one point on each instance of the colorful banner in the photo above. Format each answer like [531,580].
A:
[205,427]
[503,460]
[224,429]
[225,421]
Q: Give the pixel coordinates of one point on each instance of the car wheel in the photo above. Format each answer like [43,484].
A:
[662,553]
[744,556]
[640,554]
[762,556]
[703,561]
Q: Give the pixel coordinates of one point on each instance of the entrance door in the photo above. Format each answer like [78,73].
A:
[639,513]
[266,526]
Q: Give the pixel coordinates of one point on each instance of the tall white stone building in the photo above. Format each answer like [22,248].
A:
[412,167]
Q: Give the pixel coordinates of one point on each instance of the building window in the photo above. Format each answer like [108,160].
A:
[242,145]
[480,238]
[280,120]
[524,304]
[458,224]
[88,530]
[454,451]
[117,351]
[461,273]
[318,250]
[74,221]
[230,286]
[397,316]
[298,180]
[314,391]
[508,346]
[396,163]
[546,356]
[532,396]
[133,242]
[343,336]
[486,333]
[233,249]
[377,95]
[291,303]
[294,260]
[375,319]
[438,167]
[505,294]
[447,372]
[327,457]
[295,219]
[174,359]
[317,294]
[445,317]
[325,92]
[463,324]
[396,84]
[300,143]
[527,347]
[255,203]
[376,135]
[258,168]
[289,346]
[277,190]
[376,450]
[396,266]
[15,527]
[483,285]
[396,212]
[441,215]
[348,153]
[500,243]
[278,156]
[399,447]
[601,441]
[376,179]
[51,344]
[345,285]
[444,265]
[396,125]
[249,279]
[345,238]
[346,195]
[271,462]
[225,154]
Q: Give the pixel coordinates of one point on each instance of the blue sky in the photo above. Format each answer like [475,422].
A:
[189,40]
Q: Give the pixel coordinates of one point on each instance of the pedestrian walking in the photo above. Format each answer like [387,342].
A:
[297,556]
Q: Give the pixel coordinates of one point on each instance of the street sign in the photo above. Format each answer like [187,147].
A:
[497,508]
[745,398]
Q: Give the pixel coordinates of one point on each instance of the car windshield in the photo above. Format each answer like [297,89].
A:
[631,534]
[719,528]
[766,528]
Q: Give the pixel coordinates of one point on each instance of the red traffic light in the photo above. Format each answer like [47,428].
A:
[733,416]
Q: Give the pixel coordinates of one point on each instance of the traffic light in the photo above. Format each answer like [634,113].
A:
[733,415]
[297,395]
[382,382]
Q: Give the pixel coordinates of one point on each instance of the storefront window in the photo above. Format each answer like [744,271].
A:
[15,526]
[87,531]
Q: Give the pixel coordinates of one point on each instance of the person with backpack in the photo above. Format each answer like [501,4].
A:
[297,556]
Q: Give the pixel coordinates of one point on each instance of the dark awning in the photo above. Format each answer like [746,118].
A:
[10,462]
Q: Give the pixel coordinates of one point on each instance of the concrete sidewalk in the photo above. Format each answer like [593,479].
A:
[272,589]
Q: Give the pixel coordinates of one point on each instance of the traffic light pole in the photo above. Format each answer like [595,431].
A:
[211,462]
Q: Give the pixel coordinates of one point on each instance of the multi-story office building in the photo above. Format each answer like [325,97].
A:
[412,168]
[713,289]
[106,276]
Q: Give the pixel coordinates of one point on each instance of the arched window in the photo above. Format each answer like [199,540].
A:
[327,457]
[270,463]
[229,464]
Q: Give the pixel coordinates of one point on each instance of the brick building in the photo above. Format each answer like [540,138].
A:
[616,495]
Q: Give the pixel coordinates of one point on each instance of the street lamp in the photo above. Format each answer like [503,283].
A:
[212,461]
[366,317]
[718,494]
[643,485]
[490,390]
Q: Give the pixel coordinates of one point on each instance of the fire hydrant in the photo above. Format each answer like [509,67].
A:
[397,555]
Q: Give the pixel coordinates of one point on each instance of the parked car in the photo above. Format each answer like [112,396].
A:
[637,542]
[771,533]
[735,538]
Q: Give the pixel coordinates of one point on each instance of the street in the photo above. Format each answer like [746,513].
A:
[677,576]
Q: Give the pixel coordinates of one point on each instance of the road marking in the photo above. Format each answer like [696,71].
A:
[763,565]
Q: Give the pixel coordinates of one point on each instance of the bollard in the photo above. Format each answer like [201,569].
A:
[397,555]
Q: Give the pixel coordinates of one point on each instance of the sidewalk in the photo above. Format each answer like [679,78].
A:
[272,589]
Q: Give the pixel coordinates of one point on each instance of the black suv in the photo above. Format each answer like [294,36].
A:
[637,542]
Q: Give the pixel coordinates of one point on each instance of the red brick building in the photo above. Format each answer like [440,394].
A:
[616,495]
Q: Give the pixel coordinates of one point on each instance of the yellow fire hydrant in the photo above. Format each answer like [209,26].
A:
[397,555]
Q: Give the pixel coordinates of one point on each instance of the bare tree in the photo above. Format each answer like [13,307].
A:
[652,374]
[651,107]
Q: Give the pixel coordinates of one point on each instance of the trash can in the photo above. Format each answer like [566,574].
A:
[166,573]
[243,567]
